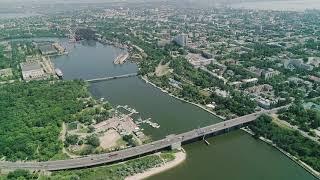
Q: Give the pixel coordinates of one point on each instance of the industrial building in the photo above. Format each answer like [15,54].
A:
[32,71]
[48,49]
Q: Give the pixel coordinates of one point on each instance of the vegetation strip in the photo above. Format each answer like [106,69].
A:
[300,149]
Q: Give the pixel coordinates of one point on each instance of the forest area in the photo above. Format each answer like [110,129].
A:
[31,116]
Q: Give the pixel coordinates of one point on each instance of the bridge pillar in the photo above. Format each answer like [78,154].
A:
[176,146]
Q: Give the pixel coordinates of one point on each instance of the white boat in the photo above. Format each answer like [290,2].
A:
[59,72]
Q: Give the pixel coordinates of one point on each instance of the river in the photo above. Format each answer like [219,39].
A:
[235,155]
[90,60]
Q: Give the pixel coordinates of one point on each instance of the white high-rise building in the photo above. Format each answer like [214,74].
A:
[181,39]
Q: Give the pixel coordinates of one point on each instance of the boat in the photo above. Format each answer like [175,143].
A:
[59,72]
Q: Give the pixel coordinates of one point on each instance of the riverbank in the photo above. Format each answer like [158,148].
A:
[293,158]
[180,157]
[181,99]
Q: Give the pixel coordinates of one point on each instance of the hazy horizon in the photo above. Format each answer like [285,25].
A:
[281,5]
[95,1]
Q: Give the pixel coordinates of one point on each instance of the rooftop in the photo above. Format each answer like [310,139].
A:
[30,66]
[47,49]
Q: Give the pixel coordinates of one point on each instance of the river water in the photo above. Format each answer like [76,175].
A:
[235,155]
[90,60]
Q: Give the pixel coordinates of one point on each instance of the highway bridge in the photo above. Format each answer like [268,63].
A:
[172,141]
[112,77]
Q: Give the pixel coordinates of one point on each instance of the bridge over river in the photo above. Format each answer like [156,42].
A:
[112,77]
[172,141]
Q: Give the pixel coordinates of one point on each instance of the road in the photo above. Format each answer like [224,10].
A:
[135,151]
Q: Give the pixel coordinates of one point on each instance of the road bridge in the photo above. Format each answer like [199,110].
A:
[112,77]
[171,141]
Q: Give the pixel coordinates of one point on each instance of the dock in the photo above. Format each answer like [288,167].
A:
[207,142]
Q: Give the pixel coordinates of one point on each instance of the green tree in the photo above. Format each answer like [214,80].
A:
[21,174]
[72,139]
[93,140]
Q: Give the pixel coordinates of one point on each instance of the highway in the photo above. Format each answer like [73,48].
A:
[99,159]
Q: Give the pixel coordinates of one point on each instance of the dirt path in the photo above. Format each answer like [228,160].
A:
[63,132]
[285,124]
[62,137]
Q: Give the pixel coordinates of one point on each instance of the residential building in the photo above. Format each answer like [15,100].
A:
[181,39]
[270,73]
[314,79]
[297,63]
[6,72]
[197,60]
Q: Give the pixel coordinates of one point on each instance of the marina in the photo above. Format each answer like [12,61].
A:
[139,120]
[149,122]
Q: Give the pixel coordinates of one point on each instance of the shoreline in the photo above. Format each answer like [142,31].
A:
[183,100]
[180,157]
[302,164]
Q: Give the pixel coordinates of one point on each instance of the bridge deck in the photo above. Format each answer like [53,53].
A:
[112,77]
[132,152]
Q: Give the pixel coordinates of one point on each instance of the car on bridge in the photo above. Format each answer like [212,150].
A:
[113,155]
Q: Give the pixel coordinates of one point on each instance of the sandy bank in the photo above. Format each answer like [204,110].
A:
[179,158]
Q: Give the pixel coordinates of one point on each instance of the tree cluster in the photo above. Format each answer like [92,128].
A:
[306,119]
[291,141]
[31,115]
